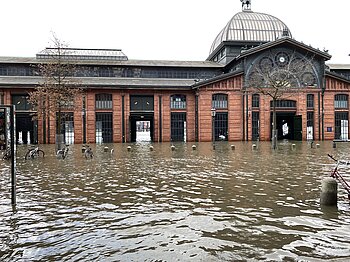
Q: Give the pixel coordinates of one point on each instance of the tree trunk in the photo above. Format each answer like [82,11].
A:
[59,141]
[59,135]
[274,123]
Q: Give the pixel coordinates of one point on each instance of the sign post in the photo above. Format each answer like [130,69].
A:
[8,142]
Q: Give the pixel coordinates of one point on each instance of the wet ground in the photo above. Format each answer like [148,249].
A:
[181,205]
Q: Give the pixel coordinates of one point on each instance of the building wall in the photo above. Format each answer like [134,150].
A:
[116,110]
[239,110]
[232,88]
[333,87]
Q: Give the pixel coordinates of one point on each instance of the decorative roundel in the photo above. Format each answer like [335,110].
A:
[257,78]
[282,59]
[266,64]
[308,79]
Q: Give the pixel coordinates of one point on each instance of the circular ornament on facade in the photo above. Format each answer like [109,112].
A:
[298,65]
[282,59]
[308,79]
[266,64]
[257,79]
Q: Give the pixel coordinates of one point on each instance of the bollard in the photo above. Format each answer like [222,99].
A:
[329,192]
[151,148]
[172,147]
[293,146]
[129,148]
[83,149]
[105,149]
[317,145]
[334,145]
[194,147]
[254,146]
[233,147]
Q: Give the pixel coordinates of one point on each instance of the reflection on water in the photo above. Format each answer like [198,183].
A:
[164,205]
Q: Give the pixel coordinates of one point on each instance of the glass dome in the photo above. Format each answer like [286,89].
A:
[248,26]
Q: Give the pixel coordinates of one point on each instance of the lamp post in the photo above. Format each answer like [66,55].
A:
[213,113]
[83,113]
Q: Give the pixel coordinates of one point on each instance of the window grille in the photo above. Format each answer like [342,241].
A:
[219,101]
[67,104]
[310,101]
[310,125]
[221,126]
[178,102]
[103,101]
[67,126]
[341,101]
[341,125]
[256,100]
[255,125]
[284,104]
[178,126]
[104,128]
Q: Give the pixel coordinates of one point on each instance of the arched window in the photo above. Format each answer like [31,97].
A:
[103,101]
[178,102]
[219,101]
[341,101]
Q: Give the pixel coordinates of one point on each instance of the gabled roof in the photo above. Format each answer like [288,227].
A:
[339,66]
[217,79]
[130,62]
[337,76]
[284,40]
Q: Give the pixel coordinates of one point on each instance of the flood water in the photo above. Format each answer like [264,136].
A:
[181,205]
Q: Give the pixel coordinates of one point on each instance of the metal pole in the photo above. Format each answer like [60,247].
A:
[213,130]
[213,113]
[13,155]
[83,112]
[123,120]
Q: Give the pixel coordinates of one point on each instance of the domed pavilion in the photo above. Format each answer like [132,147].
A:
[246,29]
[188,101]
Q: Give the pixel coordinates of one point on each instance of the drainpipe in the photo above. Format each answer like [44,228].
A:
[196,118]
[243,106]
[160,119]
[322,96]
[44,127]
[84,119]
[319,116]
[123,119]
[247,116]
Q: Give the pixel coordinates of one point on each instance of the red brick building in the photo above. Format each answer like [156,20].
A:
[176,100]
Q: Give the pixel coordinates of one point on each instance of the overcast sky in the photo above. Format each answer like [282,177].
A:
[162,29]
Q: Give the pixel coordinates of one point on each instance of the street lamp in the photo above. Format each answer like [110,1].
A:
[213,113]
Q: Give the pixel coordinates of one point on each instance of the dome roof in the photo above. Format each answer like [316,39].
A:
[248,26]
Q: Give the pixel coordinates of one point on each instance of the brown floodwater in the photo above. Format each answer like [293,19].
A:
[181,205]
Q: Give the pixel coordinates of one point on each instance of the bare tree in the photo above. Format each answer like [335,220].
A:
[58,89]
[279,75]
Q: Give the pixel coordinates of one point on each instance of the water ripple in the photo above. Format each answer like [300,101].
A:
[163,205]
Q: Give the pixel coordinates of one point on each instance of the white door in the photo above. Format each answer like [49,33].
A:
[344,130]
[310,133]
